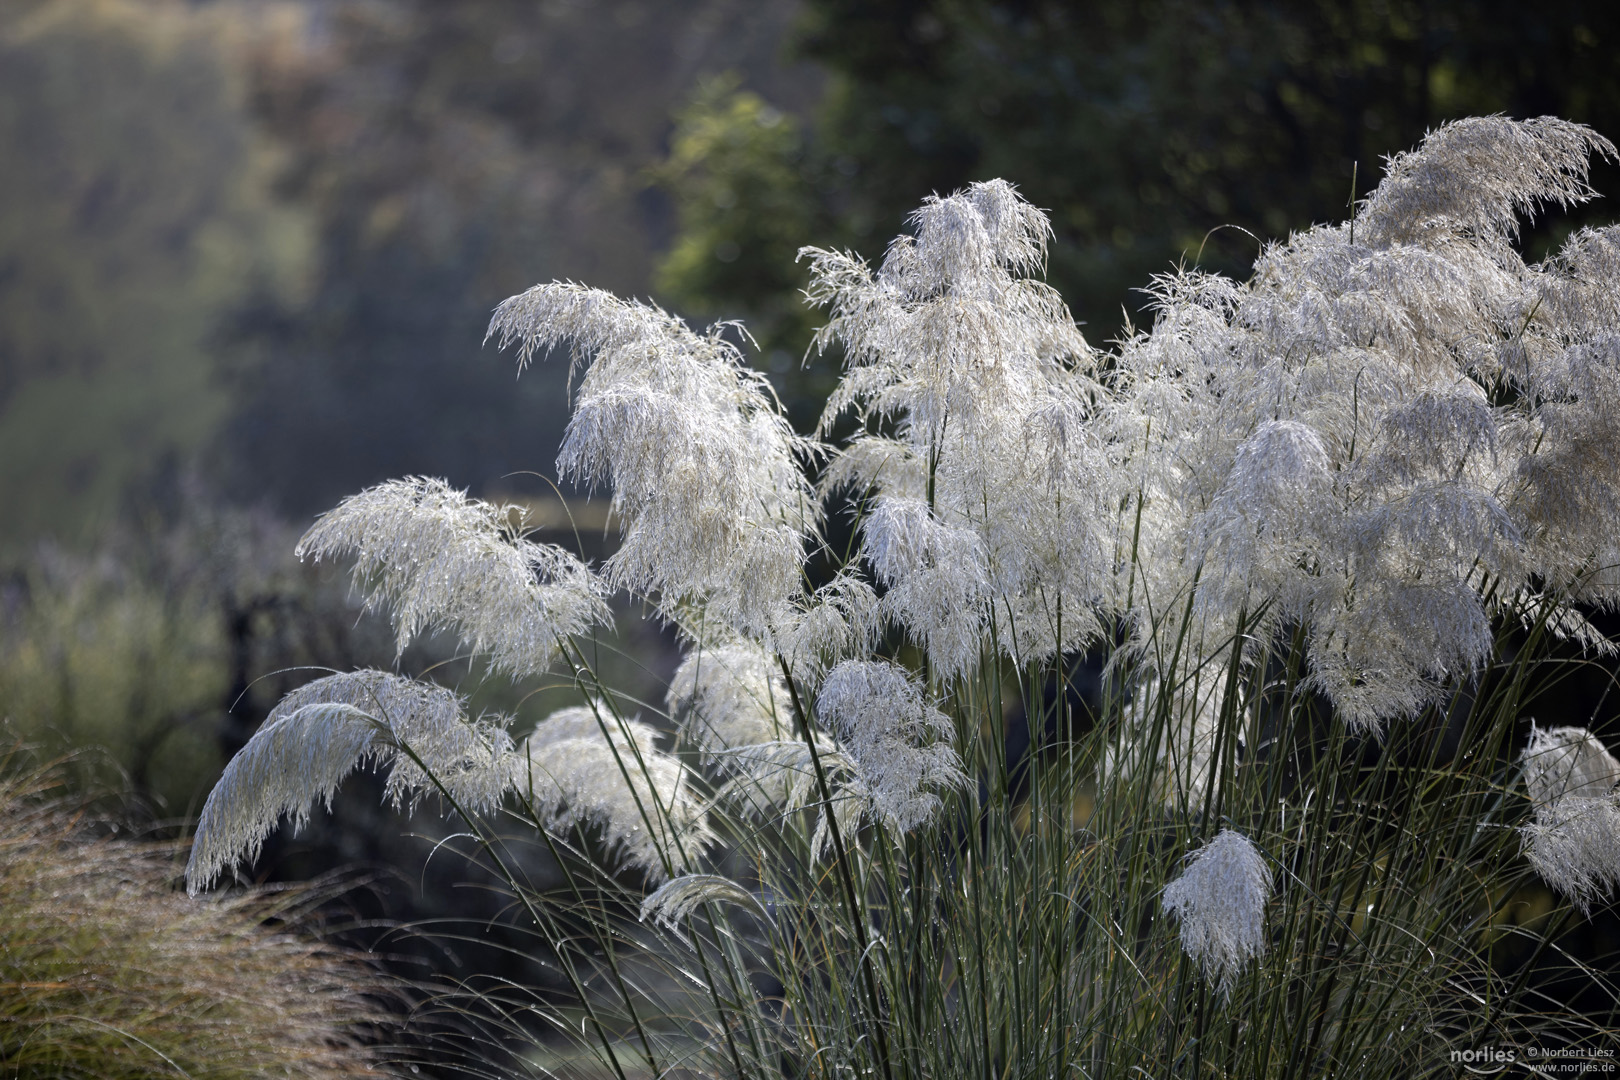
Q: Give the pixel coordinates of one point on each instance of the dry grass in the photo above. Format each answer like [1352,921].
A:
[107,970]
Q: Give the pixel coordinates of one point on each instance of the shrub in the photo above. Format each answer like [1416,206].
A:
[1267,587]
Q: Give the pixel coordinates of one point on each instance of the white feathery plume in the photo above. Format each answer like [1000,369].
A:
[323,731]
[676,899]
[1574,840]
[1567,762]
[1566,363]
[899,745]
[1574,844]
[732,703]
[442,560]
[1264,517]
[1220,900]
[1453,411]
[471,759]
[585,767]
[936,578]
[730,696]
[1391,433]
[1475,178]
[704,468]
[877,463]
[1383,651]
[839,622]
[988,383]
[288,766]
[948,306]
[1567,623]
[779,779]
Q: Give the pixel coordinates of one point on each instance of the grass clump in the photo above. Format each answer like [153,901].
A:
[107,971]
[1048,712]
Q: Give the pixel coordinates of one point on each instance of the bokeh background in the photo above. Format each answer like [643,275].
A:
[248,249]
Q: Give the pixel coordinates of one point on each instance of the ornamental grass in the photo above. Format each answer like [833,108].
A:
[1050,711]
[107,970]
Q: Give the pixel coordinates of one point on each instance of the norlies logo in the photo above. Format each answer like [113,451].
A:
[1487,1059]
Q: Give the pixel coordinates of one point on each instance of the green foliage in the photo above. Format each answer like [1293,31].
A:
[103,656]
[134,211]
[1142,126]
[737,164]
[106,971]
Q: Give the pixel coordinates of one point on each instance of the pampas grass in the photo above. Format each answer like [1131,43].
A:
[1267,588]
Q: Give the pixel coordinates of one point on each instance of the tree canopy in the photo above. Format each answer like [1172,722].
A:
[1155,132]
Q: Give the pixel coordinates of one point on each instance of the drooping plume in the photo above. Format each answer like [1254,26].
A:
[676,899]
[938,583]
[898,743]
[733,703]
[840,621]
[704,468]
[1220,900]
[1266,514]
[322,732]
[1567,762]
[1573,842]
[728,697]
[443,561]
[585,767]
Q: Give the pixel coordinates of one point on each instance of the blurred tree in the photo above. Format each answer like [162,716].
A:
[738,162]
[1142,125]
[745,203]
[134,210]
[455,154]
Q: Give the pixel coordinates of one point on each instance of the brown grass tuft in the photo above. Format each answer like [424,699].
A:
[107,970]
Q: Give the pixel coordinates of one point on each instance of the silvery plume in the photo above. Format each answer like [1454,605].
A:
[1266,515]
[1567,762]
[1574,840]
[323,731]
[732,703]
[442,560]
[676,899]
[585,766]
[993,494]
[839,621]
[704,468]
[730,696]
[1392,433]
[1220,901]
[898,744]
[937,579]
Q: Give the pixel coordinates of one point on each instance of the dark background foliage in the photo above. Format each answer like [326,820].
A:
[1155,133]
